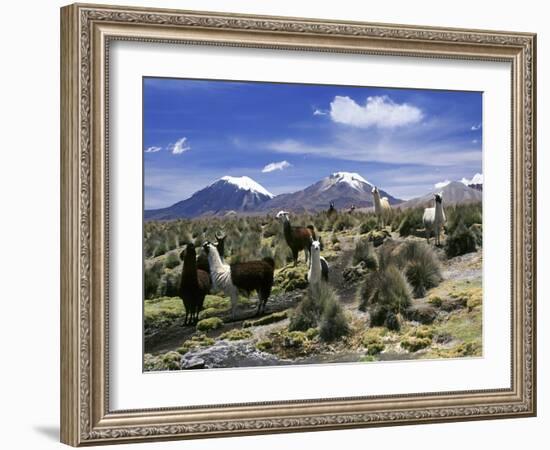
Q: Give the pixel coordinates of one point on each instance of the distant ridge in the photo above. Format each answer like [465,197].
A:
[456,192]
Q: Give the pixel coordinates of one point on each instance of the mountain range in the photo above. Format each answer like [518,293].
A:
[456,192]
[246,196]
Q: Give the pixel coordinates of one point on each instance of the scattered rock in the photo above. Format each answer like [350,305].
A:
[193,363]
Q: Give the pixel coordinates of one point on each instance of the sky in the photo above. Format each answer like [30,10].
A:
[289,136]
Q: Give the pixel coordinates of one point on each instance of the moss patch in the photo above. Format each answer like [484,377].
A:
[211,323]
[290,278]
[162,311]
[372,340]
[236,334]
[266,320]
[197,341]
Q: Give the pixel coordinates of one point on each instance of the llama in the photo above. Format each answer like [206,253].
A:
[351,209]
[331,210]
[318,266]
[382,207]
[202,260]
[297,238]
[194,285]
[434,219]
[241,277]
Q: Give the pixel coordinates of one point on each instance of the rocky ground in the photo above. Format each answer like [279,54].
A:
[446,323]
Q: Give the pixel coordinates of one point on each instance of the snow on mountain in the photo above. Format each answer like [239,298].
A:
[342,188]
[248,184]
[239,194]
[355,180]
[454,193]
[476,179]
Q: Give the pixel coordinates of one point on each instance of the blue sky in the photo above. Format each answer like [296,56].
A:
[288,136]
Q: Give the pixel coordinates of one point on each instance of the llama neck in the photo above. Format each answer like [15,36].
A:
[439,215]
[214,260]
[315,264]
[287,229]
[189,270]
[376,198]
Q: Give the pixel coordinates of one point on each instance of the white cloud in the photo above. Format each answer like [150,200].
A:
[442,184]
[475,141]
[378,111]
[475,127]
[180,146]
[153,149]
[276,166]
[319,112]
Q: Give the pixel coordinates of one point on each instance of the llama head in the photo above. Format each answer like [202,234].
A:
[315,247]
[374,190]
[438,197]
[208,246]
[331,205]
[188,251]
[282,215]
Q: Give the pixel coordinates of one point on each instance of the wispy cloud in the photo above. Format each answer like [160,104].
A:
[378,111]
[153,149]
[319,112]
[281,165]
[442,184]
[383,152]
[475,141]
[180,146]
[475,127]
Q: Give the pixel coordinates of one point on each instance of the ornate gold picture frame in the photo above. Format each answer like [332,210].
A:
[87,31]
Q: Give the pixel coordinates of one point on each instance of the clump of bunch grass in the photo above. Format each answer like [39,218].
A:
[364,252]
[411,221]
[460,242]
[386,294]
[368,224]
[321,308]
[236,334]
[212,323]
[344,222]
[151,280]
[171,261]
[420,265]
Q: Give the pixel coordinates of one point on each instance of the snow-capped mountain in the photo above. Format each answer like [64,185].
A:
[475,183]
[342,188]
[241,194]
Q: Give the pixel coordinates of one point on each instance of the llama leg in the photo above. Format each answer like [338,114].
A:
[234,298]
[295,257]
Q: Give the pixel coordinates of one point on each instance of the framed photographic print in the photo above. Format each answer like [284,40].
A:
[276,224]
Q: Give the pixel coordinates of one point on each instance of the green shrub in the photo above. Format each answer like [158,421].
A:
[344,222]
[264,345]
[477,231]
[467,214]
[460,242]
[151,280]
[169,284]
[385,294]
[334,323]
[368,224]
[420,265]
[307,313]
[212,323]
[321,307]
[364,252]
[171,261]
[411,221]
[160,250]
